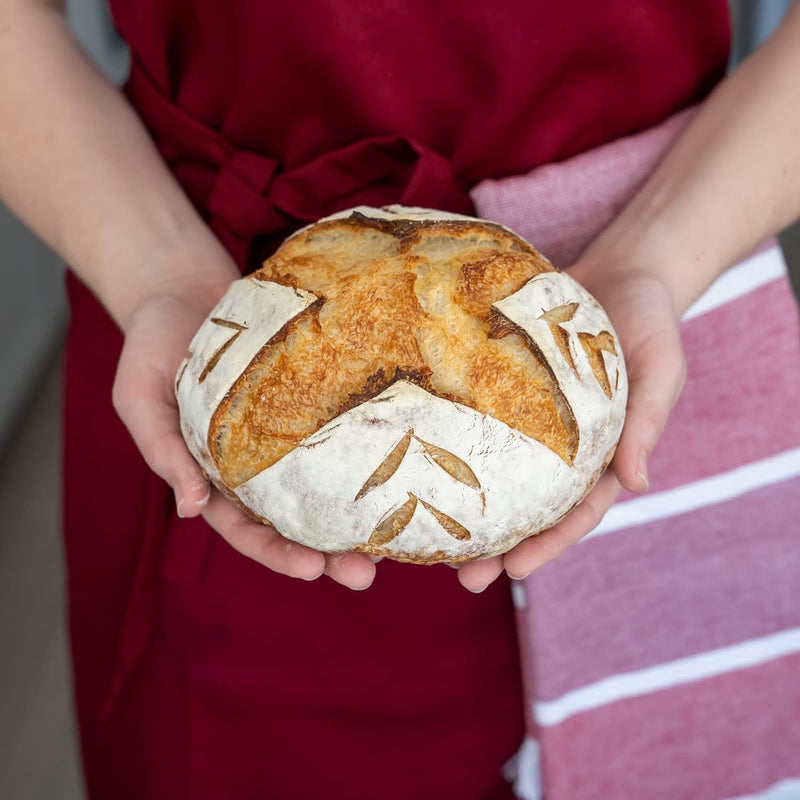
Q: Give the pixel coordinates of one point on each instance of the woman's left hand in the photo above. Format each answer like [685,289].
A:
[643,314]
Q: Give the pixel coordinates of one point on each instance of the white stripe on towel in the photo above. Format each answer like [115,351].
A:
[523,771]
[788,789]
[624,685]
[518,594]
[698,494]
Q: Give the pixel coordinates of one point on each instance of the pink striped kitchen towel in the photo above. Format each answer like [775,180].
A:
[661,655]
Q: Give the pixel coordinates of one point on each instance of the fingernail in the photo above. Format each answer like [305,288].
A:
[314,577]
[641,472]
[478,591]
[517,577]
[180,499]
[376,559]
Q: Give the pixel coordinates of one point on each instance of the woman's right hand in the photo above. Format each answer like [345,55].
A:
[157,335]
[79,168]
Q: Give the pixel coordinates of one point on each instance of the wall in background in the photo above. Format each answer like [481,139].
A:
[753,21]
[32,314]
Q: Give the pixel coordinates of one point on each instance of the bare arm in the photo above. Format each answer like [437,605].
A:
[78,167]
[730,181]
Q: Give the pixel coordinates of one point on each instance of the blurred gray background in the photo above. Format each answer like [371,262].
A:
[38,755]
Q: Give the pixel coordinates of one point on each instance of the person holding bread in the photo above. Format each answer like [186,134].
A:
[214,657]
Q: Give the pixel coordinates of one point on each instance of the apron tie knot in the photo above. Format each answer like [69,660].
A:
[248,196]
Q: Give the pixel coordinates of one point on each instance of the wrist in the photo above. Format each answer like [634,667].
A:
[187,267]
[641,243]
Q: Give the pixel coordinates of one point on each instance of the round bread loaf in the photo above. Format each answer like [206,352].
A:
[406,383]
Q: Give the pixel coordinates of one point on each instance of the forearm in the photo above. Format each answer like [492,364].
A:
[730,181]
[78,167]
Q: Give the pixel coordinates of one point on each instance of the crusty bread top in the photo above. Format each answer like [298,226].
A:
[403,298]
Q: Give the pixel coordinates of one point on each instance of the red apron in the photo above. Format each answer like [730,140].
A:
[198,673]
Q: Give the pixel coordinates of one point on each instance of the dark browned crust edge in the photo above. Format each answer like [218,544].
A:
[408,230]
[500,326]
[278,337]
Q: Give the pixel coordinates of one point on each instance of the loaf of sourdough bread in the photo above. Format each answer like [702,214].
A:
[406,383]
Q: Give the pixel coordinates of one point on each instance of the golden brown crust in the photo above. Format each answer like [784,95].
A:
[397,299]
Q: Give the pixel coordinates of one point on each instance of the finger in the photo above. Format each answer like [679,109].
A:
[533,553]
[477,575]
[260,542]
[353,570]
[151,417]
[657,372]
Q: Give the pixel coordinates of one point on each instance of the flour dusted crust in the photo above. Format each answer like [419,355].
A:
[405,382]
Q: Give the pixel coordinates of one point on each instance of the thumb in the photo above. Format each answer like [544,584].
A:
[657,374]
[147,407]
